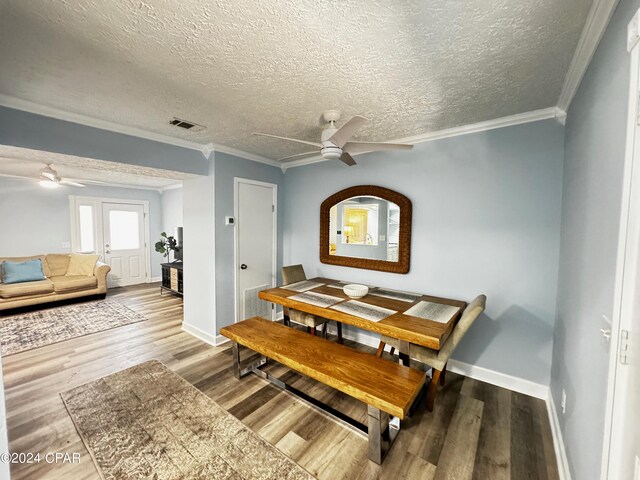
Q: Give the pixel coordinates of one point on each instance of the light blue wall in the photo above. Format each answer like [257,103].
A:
[37,220]
[227,167]
[486,219]
[592,190]
[27,130]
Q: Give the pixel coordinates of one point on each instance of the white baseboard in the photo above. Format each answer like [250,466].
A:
[155,279]
[499,379]
[200,334]
[558,443]
[221,340]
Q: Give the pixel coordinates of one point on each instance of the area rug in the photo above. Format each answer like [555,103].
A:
[148,422]
[26,331]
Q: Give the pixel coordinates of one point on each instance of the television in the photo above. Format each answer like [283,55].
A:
[177,255]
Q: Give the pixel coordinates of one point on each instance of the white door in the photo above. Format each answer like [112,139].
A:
[124,243]
[255,207]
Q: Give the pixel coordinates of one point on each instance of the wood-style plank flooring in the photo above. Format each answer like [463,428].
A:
[476,431]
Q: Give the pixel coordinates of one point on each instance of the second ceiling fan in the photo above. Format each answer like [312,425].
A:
[334,142]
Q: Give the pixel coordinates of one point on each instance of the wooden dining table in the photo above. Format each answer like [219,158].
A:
[406,314]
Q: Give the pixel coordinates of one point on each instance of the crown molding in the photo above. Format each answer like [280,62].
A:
[96,183]
[205,149]
[594,27]
[511,120]
[246,155]
[52,112]
[175,186]
[209,148]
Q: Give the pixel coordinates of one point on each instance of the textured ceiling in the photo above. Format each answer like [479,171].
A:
[239,66]
[23,162]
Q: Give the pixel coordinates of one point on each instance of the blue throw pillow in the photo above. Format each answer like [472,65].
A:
[18,272]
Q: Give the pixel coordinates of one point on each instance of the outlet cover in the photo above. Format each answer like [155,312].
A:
[66,244]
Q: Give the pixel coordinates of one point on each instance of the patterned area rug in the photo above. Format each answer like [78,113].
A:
[148,422]
[22,332]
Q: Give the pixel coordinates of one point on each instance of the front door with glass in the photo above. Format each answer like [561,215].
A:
[124,243]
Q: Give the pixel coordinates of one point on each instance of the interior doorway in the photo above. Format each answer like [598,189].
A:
[255,206]
[118,231]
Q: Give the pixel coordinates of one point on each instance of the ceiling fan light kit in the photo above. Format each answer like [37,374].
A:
[49,178]
[335,144]
[48,184]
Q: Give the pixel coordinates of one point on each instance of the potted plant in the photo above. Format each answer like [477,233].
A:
[166,245]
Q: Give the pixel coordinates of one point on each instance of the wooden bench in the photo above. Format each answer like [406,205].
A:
[387,388]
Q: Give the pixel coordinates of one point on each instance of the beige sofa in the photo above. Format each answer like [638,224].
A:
[57,286]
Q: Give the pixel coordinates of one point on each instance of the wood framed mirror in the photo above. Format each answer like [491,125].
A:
[368,227]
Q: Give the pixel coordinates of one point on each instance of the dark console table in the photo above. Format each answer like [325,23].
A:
[172,278]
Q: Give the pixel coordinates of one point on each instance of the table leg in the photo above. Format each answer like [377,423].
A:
[235,354]
[403,352]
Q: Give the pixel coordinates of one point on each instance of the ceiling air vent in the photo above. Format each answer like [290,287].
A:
[187,125]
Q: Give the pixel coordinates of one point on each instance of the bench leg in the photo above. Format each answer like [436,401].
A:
[339,326]
[240,368]
[381,433]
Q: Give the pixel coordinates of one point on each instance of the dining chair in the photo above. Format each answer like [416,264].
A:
[437,359]
[293,274]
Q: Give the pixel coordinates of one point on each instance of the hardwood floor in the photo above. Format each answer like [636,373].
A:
[476,431]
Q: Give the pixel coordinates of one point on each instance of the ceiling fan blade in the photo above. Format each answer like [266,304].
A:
[319,145]
[49,175]
[347,159]
[346,131]
[315,152]
[361,147]
[71,184]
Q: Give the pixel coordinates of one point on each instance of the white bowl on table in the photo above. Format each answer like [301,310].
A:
[355,290]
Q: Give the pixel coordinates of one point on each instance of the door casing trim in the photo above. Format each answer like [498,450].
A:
[274,256]
[97,203]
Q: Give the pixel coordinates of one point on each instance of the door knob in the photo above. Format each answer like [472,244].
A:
[243,267]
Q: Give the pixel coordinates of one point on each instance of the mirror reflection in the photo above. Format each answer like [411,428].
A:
[365,227]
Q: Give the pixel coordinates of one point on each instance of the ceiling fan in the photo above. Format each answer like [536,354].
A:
[334,142]
[49,178]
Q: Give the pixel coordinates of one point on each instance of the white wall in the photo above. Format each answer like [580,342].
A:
[37,220]
[199,256]
[171,202]
[486,219]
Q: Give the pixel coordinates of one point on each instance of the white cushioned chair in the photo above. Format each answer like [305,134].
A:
[437,359]
[293,274]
